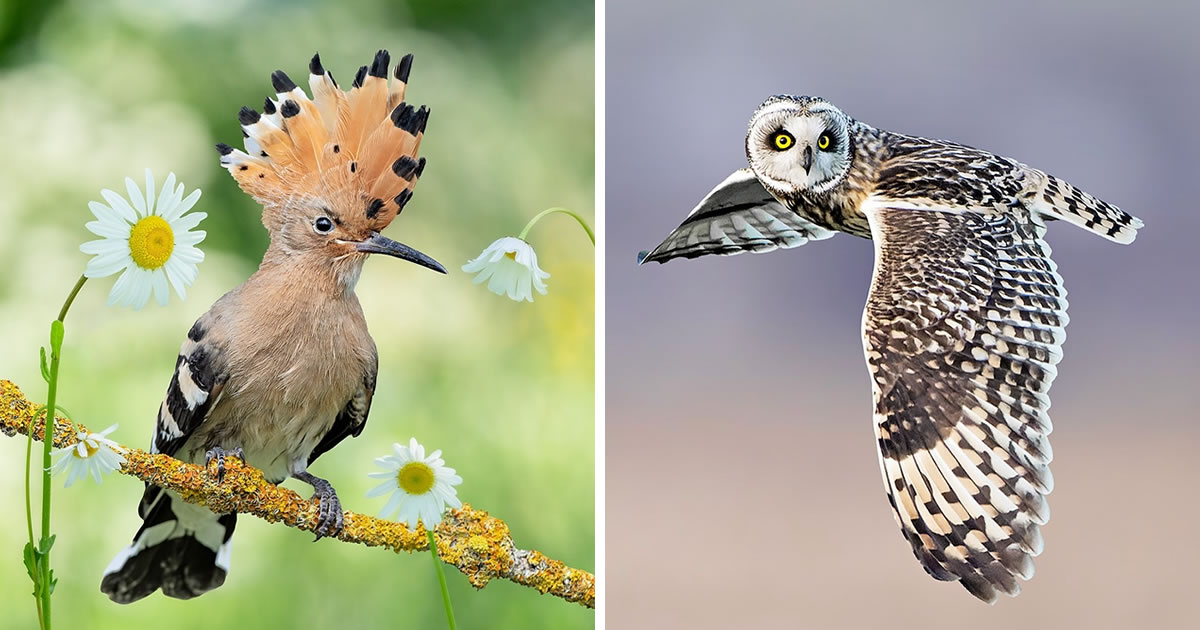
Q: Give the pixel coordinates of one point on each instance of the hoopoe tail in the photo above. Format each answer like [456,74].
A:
[181,548]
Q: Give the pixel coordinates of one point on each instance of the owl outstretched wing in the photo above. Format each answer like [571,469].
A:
[962,331]
[739,215]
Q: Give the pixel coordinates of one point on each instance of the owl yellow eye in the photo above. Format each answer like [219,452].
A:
[784,141]
[825,141]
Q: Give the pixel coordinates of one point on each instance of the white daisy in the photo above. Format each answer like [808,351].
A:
[151,241]
[93,453]
[422,486]
[511,265]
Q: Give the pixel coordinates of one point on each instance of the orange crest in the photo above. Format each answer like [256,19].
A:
[353,151]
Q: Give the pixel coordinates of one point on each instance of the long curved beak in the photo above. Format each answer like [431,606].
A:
[377,243]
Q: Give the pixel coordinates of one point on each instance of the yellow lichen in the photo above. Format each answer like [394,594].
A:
[471,540]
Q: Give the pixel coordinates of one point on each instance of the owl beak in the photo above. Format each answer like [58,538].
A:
[377,243]
[807,158]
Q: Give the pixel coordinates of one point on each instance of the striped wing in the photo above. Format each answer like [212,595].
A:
[739,215]
[962,330]
[195,387]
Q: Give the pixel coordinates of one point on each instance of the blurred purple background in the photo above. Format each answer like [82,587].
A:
[743,488]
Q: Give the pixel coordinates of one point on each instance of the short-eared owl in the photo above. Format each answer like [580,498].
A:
[963,325]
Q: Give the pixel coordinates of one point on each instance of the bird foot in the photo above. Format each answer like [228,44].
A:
[219,454]
[330,519]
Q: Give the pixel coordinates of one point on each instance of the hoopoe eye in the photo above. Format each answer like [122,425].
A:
[323,225]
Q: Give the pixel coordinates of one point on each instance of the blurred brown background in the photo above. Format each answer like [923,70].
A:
[743,488]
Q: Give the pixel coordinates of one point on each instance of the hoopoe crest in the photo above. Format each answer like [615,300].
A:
[353,155]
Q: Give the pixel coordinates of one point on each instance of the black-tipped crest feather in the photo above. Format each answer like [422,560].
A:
[379,66]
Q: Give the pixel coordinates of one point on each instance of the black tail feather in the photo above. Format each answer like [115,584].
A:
[165,555]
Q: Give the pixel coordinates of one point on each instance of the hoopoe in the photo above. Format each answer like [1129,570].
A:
[282,368]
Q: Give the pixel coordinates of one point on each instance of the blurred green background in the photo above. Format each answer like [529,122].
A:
[91,92]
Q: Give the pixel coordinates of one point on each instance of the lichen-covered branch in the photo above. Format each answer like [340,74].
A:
[471,540]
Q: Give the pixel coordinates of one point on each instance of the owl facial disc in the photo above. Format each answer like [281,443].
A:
[798,144]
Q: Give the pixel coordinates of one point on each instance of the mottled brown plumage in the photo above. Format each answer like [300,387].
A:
[963,325]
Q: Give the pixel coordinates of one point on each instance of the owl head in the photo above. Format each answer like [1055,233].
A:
[798,144]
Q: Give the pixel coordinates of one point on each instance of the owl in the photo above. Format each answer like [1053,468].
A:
[964,321]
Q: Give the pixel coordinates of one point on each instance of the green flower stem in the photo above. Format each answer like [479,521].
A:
[56,336]
[584,224]
[437,564]
[45,584]
[62,314]
[29,515]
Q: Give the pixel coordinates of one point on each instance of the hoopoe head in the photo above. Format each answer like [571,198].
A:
[331,172]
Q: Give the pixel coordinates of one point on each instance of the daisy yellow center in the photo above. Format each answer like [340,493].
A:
[415,478]
[151,242]
[511,255]
[90,447]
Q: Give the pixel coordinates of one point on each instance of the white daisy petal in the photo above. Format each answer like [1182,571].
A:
[159,279]
[165,196]
[184,224]
[419,494]
[189,254]
[383,488]
[118,203]
[135,196]
[107,265]
[93,454]
[175,275]
[193,237]
[120,287]
[159,264]
[109,230]
[484,275]
[104,246]
[141,286]
[187,202]
[509,266]
[150,191]
[393,504]
[104,213]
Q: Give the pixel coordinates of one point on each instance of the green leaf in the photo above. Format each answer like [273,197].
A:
[45,366]
[30,557]
[56,337]
[30,562]
[53,581]
[45,544]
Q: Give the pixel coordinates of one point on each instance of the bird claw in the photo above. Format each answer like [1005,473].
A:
[330,518]
[219,454]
